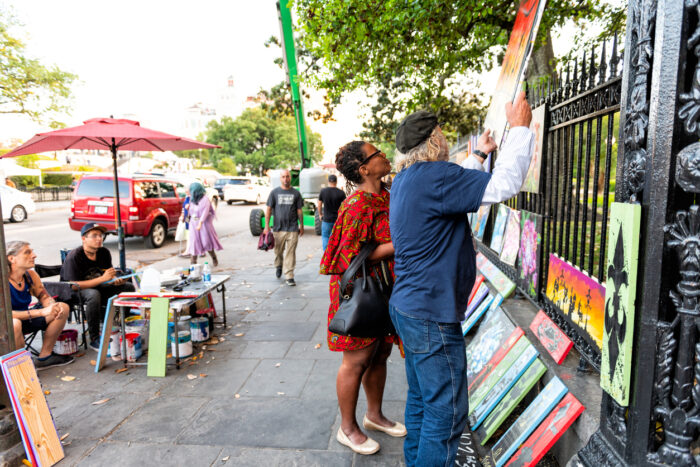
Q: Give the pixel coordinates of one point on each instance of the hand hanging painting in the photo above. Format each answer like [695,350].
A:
[511,239]
[499,228]
[580,297]
[530,241]
[621,287]
[520,45]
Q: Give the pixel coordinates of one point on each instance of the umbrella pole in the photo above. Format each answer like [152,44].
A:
[120,229]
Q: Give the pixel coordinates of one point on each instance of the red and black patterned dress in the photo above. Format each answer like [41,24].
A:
[362,217]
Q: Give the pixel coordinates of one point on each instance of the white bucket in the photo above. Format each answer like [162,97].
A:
[140,326]
[199,327]
[114,347]
[184,343]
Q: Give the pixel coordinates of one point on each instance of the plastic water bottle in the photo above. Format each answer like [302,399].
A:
[206,273]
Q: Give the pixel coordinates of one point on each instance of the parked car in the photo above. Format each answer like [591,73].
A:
[249,189]
[220,183]
[150,205]
[16,205]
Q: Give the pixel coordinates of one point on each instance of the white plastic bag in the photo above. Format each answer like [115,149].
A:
[180,232]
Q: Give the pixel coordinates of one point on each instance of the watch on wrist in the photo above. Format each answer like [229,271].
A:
[481,154]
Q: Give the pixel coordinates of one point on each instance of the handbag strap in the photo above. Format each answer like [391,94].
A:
[355,265]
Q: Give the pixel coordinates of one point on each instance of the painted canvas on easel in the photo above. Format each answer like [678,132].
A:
[579,296]
[532,182]
[529,254]
[520,45]
[499,228]
[511,239]
[621,287]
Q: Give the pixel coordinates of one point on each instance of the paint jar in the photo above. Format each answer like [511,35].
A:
[67,342]
[114,347]
[199,328]
[183,323]
[139,326]
[133,346]
[184,343]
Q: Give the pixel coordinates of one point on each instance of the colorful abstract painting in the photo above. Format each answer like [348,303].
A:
[501,352]
[580,297]
[495,276]
[492,333]
[529,254]
[479,225]
[511,238]
[549,431]
[532,182]
[553,339]
[532,416]
[520,45]
[621,287]
[499,227]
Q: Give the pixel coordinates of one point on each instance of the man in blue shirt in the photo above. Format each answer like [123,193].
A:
[435,268]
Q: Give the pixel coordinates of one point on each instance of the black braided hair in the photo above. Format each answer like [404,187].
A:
[348,161]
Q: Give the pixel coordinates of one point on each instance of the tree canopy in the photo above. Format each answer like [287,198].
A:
[26,86]
[417,54]
[258,140]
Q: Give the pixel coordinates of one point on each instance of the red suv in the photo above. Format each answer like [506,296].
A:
[150,205]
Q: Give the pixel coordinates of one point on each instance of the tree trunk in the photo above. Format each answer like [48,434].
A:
[542,62]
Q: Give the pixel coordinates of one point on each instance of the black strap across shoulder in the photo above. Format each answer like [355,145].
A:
[356,264]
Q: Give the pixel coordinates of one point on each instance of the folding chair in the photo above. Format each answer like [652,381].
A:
[64,292]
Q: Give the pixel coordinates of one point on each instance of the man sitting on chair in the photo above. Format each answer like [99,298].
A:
[25,284]
[90,268]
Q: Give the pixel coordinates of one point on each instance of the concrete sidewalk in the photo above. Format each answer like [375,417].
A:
[268,397]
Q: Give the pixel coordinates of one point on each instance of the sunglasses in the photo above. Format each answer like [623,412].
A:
[375,153]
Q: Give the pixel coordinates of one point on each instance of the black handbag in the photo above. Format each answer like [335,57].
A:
[365,313]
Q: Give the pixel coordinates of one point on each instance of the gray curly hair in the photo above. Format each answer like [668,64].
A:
[14,247]
[434,148]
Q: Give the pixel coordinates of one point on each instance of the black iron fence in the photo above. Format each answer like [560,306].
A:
[40,193]
[577,178]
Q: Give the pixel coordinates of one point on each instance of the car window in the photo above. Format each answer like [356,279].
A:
[146,190]
[166,190]
[181,191]
[102,188]
[240,181]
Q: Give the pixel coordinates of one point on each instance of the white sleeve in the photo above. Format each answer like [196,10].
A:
[511,167]
[472,163]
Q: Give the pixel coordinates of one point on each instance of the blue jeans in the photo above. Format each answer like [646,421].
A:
[326,229]
[437,401]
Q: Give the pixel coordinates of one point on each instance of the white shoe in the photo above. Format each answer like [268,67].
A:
[397,430]
[370,446]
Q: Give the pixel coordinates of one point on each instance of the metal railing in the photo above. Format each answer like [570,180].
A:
[40,194]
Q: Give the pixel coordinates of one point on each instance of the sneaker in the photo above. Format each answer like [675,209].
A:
[52,360]
[291,283]
[95,345]
[278,273]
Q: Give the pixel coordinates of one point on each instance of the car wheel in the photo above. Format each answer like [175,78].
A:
[156,237]
[229,202]
[256,220]
[257,199]
[18,214]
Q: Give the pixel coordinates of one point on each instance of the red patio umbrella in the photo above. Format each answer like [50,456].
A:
[108,134]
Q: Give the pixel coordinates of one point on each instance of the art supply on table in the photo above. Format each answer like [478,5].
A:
[150,282]
[206,273]
[195,272]
[199,329]
[133,346]
[67,342]
[38,432]
[184,343]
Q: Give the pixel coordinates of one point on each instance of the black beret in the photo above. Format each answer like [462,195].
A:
[415,129]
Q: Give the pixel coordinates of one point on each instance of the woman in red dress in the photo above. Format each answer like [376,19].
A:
[362,217]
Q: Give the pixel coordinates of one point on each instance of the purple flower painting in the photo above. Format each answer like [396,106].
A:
[530,240]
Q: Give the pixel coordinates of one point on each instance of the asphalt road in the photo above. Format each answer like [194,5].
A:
[48,232]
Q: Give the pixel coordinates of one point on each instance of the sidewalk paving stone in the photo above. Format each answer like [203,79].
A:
[250,457]
[273,377]
[262,349]
[280,331]
[111,453]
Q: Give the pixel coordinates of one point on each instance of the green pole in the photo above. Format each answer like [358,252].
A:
[290,62]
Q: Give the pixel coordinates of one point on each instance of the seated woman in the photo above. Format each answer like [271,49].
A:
[50,318]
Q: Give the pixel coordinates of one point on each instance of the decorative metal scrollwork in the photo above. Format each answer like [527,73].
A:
[637,117]
[677,399]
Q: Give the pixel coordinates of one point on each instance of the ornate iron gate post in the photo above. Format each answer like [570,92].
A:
[659,167]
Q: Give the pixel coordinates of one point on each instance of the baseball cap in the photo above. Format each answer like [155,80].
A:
[91,226]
